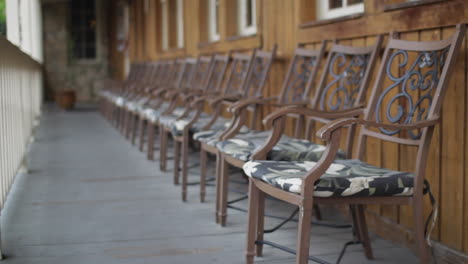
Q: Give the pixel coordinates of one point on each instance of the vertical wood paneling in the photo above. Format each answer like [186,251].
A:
[465,207]
[453,149]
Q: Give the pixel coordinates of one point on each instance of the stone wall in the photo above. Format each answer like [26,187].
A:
[89,76]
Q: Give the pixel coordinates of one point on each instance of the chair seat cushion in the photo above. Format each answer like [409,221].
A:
[211,136]
[153,114]
[120,101]
[178,126]
[166,120]
[244,146]
[343,178]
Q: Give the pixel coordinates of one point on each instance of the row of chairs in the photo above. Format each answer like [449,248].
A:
[214,101]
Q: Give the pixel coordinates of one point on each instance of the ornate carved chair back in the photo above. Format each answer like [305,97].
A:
[216,73]
[344,82]
[201,73]
[156,66]
[258,73]
[151,71]
[186,73]
[410,88]
[300,78]
[166,73]
[237,73]
[256,78]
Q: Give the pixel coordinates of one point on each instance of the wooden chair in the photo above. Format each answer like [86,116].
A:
[341,88]
[136,104]
[183,127]
[178,83]
[168,78]
[121,91]
[404,108]
[246,78]
[133,93]
[196,86]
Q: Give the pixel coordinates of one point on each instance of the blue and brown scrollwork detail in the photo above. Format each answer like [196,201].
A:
[238,72]
[216,74]
[346,73]
[409,97]
[259,68]
[301,70]
[200,74]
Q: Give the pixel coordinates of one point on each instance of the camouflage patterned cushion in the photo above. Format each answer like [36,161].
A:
[178,126]
[287,149]
[343,178]
[211,136]
[154,114]
[166,120]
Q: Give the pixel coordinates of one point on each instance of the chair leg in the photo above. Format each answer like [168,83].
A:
[185,150]
[176,161]
[362,231]
[418,214]
[223,176]
[135,127]
[150,153]
[303,236]
[318,214]
[141,130]
[252,222]
[125,124]
[129,126]
[260,222]
[121,119]
[218,185]
[203,163]
[162,149]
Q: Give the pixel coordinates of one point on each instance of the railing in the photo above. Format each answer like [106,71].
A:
[20,104]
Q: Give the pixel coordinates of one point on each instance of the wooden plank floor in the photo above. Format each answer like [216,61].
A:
[91,197]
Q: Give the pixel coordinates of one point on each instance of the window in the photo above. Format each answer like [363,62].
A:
[180,23]
[164,24]
[247,17]
[83,29]
[213,15]
[327,9]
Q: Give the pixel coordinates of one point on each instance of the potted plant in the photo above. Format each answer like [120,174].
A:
[66,98]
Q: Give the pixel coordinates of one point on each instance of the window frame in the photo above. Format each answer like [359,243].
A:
[242,28]
[164,10]
[324,12]
[213,21]
[180,24]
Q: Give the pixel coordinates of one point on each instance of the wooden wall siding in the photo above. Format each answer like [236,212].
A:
[282,22]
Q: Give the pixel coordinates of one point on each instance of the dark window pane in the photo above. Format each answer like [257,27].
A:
[248,13]
[83,28]
[90,52]
[335,4]
[216,17]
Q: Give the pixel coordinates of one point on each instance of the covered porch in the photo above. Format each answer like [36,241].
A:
[91,197]
[87,184]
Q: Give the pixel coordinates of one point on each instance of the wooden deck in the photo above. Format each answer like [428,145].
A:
[91,197]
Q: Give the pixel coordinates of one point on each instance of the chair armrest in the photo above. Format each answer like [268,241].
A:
[236,107]
[219,99]
[202,99]
[325,132]
[352,112]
